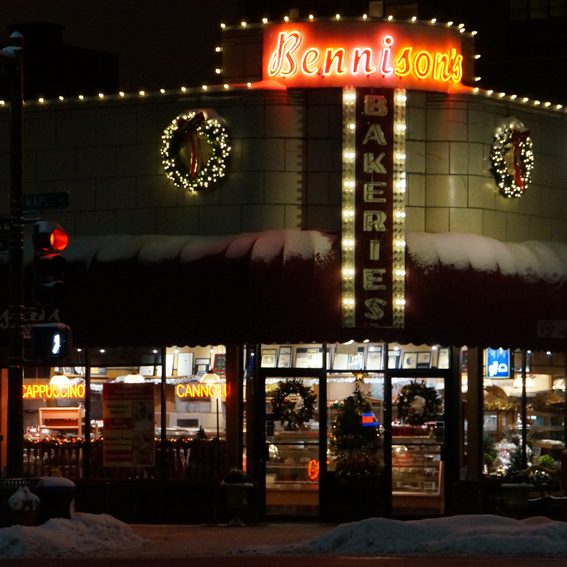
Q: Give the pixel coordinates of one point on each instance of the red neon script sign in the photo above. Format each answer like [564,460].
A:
[365,54]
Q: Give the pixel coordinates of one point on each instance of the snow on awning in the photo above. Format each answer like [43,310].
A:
[475,290]
[276,285]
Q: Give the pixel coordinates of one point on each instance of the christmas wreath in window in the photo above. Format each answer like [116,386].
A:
[293,404]
[512,158]
[418,403]
[195,149]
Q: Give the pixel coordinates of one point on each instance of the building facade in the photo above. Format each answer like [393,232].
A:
[261,265]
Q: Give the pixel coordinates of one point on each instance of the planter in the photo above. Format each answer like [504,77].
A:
[236,501]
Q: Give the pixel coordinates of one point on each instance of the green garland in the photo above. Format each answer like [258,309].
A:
[418,403]
[293,415]
[195,125]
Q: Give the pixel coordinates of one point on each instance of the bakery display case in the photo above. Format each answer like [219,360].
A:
[416,466]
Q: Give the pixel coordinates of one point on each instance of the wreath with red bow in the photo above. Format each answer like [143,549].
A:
[512,158]
[195,149]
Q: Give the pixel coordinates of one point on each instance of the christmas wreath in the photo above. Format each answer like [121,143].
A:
[418,403]
[293,404]
[512,158]
[195,149]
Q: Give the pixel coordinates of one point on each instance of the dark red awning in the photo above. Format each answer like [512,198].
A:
[284,286]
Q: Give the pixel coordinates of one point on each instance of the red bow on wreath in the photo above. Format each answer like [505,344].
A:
[518,138]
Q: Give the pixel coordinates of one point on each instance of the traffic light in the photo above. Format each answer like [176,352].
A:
[50,340]
[49,239]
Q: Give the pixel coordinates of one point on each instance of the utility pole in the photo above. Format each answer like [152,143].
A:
[11,61]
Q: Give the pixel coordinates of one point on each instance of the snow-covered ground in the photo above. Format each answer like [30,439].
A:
[100,534]
[454,535]
[83,534]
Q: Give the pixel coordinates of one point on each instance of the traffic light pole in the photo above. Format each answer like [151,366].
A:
[11,60]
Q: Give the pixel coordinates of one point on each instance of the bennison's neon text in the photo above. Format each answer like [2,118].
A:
[292,57]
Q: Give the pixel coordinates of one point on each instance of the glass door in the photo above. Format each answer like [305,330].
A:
[418,445]
[292,445]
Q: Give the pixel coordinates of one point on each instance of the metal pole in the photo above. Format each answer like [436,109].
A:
[163,413]
[524,449]
[87,445]
[12,60]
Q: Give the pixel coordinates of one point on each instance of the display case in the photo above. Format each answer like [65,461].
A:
[292,458]
[292,473]
[416,466]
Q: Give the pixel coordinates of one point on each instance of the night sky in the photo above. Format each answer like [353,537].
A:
[157,47]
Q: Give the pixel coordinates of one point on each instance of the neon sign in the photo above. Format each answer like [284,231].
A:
[199,390]
[313,470]
[49,391]
[371,54]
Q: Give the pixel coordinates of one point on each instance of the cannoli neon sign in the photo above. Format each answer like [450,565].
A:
[306,55]
[200,390]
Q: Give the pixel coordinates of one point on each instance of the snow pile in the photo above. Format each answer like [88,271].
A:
[455,535]
[82,535]
[530,260]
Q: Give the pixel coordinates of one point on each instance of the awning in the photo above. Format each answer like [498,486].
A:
[284,286]
[273,286]
[467,289]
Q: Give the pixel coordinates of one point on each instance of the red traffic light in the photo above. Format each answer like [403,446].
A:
[50,237]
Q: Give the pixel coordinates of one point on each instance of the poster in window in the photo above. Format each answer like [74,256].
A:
[340,361]
[443,358]
[356,360]
[185,364]
[202,366]
[219,364]
[409,360]
[269,357]
[423,360]
[394,359]
[374,358]
[284,358]
[309,357]
[128,417]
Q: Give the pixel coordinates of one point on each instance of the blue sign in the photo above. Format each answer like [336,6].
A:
[497,363]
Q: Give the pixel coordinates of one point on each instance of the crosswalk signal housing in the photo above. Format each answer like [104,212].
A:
[50,340]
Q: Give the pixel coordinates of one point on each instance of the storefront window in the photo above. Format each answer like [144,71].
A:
[124,406]
[539,391]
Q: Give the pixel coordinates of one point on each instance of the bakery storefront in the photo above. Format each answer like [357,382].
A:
[370,367]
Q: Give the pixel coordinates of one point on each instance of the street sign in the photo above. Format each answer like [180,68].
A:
[45,201]
[552,329]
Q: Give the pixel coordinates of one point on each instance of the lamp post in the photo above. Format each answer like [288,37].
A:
[11,60]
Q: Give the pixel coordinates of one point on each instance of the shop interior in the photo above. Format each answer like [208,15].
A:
[309,390]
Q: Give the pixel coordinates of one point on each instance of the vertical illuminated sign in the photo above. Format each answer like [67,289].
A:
[374,166]
[373,243]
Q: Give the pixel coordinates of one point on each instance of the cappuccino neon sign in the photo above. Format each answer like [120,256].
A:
[387,55]
[48,391]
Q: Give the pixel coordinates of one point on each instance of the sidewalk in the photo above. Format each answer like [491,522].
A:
[207,540]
